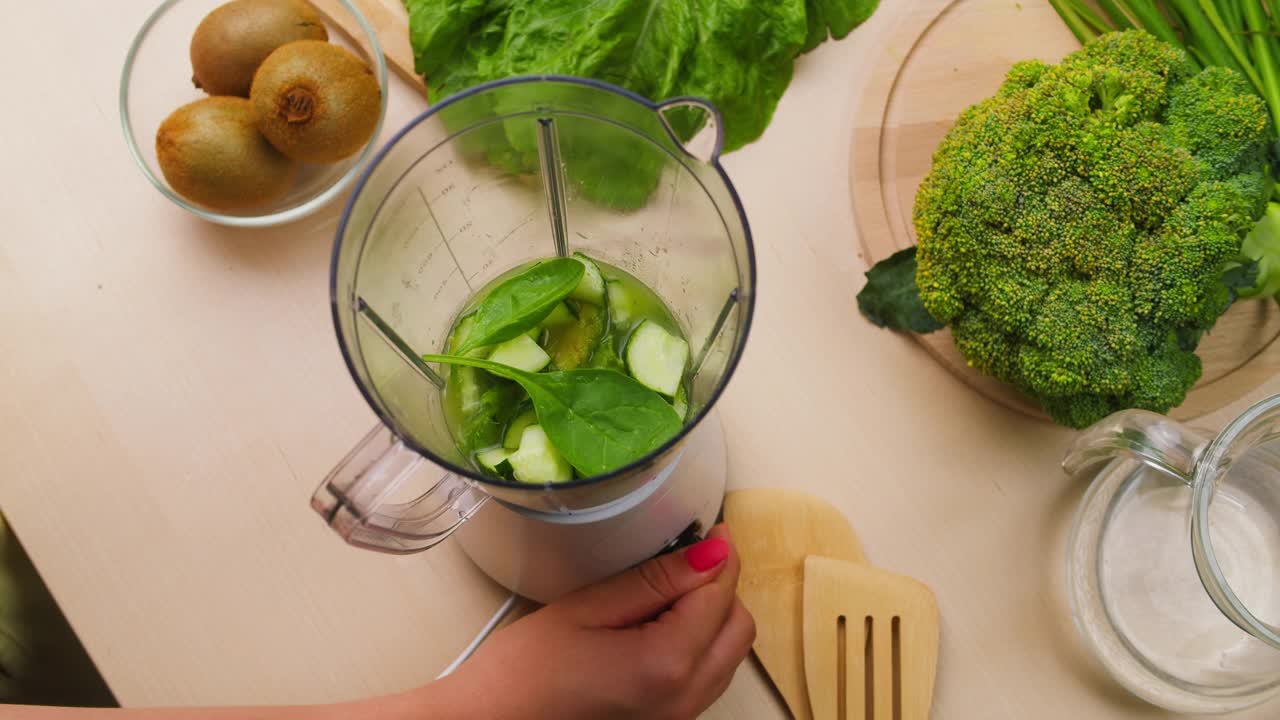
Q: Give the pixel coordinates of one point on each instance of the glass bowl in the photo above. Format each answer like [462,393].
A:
[156,80]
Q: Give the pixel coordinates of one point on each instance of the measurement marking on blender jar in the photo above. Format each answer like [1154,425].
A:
[445,239]
[491,258]
[397,343]
[553,183]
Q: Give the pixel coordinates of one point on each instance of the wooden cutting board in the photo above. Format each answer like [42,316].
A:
[774,530]
[390,22]
[944,56]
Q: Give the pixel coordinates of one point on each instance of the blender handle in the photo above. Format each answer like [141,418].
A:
[1153,439]
[707,150]
[375,497]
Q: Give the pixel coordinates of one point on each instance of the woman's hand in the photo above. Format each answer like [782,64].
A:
[660,641]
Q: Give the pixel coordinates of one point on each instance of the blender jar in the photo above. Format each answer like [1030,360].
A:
[496,176]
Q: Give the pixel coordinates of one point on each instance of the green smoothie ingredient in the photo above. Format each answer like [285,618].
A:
[522,302]
[600,420]
[538,390]
[1079,230]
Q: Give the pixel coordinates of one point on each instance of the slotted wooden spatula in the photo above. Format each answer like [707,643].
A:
[870,642]
[774,530]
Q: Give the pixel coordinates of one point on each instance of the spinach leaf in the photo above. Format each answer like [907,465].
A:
[521,302]
[599,420]
[737,55]
[891,299]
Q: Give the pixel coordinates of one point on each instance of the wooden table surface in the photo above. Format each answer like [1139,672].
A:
[173,394]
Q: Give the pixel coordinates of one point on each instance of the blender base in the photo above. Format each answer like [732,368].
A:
[542,556]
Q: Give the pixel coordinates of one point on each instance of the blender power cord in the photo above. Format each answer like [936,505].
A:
[483,635]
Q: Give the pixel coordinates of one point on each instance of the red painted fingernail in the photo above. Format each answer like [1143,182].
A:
[707,554]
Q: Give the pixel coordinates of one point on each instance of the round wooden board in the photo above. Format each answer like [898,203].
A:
[945,56]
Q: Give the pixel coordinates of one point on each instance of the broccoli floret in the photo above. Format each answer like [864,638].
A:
[1075,227]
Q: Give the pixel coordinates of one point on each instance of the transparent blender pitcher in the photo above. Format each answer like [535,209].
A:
[1173,566]
[491,178]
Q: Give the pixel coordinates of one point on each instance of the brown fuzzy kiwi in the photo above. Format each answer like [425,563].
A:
[316,102]
[211,153]
[233,40]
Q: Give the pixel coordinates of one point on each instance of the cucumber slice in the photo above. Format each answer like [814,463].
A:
[522,353]
[515,430]
[492,458]
[561,315]
[656,358]
[622,305]
[571,346]
[680,403]
[537,461]
[591,288]
[484,407]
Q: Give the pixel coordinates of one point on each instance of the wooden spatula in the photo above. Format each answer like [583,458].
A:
[774,530]
[870,642]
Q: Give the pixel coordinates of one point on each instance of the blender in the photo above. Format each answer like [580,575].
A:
[493,177]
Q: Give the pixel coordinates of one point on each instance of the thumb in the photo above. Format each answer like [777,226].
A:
[644,591]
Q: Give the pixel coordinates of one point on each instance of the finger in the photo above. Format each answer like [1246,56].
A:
[725,656]
[638,594]
[695,620]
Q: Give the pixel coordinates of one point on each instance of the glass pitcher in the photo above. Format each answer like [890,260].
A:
[1173,566]
[493,177]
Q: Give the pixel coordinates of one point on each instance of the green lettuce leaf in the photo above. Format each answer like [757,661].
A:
[736,54]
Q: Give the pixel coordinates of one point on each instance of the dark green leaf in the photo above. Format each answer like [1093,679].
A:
[891,299]
[522,302]
[839,17]
[1241,279]
[599,420]
[739,56]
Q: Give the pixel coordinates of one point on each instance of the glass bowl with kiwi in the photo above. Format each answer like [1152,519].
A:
[253,112]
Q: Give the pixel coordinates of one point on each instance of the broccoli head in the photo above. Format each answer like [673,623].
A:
[1075,227]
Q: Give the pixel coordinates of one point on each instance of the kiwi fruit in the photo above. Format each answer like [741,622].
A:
[315,102]
[210,152]
[233,40]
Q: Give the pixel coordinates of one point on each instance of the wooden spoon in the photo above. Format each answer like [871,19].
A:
[774,530]
[390,22]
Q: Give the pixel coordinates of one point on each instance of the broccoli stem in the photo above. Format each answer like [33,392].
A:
[1094,20]
[1203,34]
[1262,53]
[1233,17]
[1078,27]
[1228,39]
[1119,20]
[1153,21]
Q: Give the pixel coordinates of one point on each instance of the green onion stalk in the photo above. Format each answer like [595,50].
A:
[1243,35]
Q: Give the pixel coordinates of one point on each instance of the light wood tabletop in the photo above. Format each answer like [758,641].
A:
[173,393]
